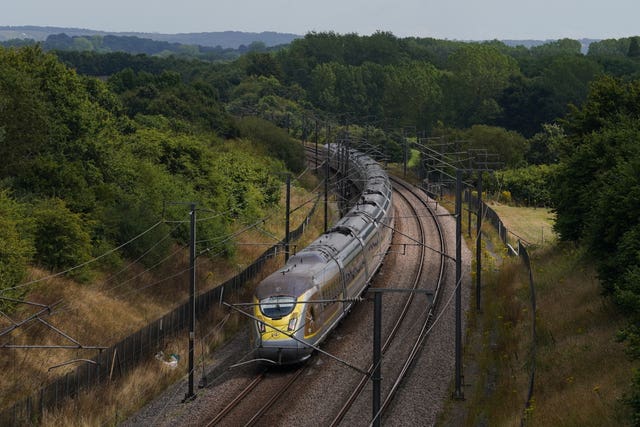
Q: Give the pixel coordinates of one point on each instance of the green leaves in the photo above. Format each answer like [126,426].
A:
[16,248]
[61,238]
[90,178]
[478,76]
[529,186]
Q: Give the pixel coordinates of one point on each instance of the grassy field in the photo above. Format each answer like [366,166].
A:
[534,225]
[581,372]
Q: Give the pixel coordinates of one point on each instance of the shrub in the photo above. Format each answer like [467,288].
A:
[528,185]
[16,249]
[62,239]
[275,141]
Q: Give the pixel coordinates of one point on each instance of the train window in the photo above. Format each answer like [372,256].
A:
[277,307]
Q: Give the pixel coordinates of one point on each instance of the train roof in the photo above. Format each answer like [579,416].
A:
[299,274]
[291,281]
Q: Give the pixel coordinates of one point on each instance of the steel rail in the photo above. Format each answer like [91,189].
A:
[236,400]
[397,324]
[274,398]
[424,331]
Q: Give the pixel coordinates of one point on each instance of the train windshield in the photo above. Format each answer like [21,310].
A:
[276,307]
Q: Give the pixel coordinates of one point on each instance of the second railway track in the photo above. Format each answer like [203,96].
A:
[410,325]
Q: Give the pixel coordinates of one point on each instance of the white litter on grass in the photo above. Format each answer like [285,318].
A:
[170,361]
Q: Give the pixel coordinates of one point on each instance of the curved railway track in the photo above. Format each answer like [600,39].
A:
[424,330]
[417,203]
[323,391]
[403,361]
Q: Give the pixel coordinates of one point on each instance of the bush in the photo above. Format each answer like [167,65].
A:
[16,249]
[528,185]
[275,141]
[62,238]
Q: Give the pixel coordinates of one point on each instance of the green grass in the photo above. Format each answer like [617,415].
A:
[534,225]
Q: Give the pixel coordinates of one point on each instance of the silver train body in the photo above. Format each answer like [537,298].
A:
[298,305]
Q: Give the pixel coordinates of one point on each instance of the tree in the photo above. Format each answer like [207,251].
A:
[262,64]
[509,145]
[322,90]
[412,94]
[544,147]
[595,193]
[567,78]
[62,239]
[478,75]
[16,247]
[526,104]
[558,47]
[634,48]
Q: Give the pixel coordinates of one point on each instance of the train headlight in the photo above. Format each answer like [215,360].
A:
[261,327]
[292,324]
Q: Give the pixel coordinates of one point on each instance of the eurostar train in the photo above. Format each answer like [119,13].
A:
[297,306]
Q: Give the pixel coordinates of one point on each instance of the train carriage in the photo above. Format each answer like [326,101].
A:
[298,305]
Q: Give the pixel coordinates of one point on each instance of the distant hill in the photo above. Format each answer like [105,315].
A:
[224,39]
[532,43]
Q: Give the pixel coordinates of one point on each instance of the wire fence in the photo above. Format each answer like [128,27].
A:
[127,354]
[517,246]
[524,255]
[508,237]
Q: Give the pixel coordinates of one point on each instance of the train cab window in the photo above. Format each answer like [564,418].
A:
[277,307]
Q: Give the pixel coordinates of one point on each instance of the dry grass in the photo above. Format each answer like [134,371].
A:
[117,398]
[581,371]
[102,314]
[534,225]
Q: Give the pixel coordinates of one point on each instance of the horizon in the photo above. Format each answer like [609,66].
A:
[453,20]
[11,27]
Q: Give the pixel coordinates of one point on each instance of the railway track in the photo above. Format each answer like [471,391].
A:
[243,411]
[260,400]
[317,392]
[404,359]
[401,359]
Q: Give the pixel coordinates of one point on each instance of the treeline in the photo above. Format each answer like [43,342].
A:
[88,165]
[596,194]
[391,82]
[138,45]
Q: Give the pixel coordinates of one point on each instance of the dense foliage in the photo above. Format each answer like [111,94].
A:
[597,194]
[89,163]
[87,168]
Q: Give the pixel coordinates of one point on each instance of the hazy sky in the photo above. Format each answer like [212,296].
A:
[444,19]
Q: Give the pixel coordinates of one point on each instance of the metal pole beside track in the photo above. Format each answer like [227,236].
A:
[458,393]
[288,215]
[377,359]
[192,297]
[316,141]
[479,243]
[326,193]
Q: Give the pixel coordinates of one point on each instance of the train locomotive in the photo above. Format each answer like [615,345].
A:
[298,305]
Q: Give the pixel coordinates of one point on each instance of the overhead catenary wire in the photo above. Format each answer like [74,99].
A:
[158,242]
[61,273]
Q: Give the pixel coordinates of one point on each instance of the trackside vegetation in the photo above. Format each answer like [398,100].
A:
[98,145]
